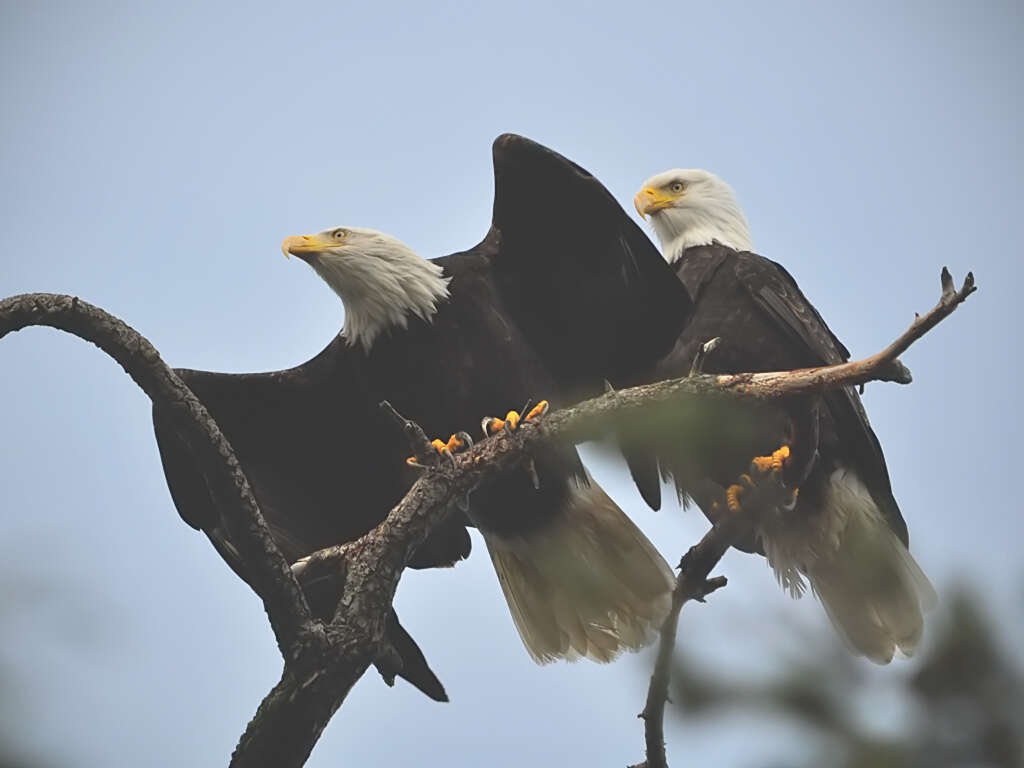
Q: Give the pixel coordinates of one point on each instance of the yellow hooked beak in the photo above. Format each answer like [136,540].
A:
[650,200]
[302,245]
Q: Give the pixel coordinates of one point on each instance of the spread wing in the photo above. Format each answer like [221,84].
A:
[294,434]
[592,294]
[590,291]
[288,434]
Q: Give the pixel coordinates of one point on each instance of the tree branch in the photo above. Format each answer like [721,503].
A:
[692,584]
[447,483]
[271,575]
[322,663]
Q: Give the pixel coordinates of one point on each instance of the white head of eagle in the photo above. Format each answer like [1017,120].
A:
[691,207]
[380,280]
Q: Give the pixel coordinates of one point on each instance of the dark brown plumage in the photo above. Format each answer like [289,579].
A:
[844,532]
[766,324]
[326,467]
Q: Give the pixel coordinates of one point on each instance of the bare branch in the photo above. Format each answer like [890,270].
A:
[270,572]
[322,663]
[426,503]
[692,584]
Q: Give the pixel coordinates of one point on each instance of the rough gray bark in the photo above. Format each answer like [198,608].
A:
[272,576]
[323,661]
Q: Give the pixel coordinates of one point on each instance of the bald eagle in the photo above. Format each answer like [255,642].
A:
[440,340]
[842,531]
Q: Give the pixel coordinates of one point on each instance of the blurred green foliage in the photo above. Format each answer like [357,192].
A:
[965,697]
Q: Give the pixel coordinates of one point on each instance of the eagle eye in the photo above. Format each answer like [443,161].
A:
[339,234]
[677,187]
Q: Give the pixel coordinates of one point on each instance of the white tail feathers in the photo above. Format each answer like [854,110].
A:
[872,588]
[588,584]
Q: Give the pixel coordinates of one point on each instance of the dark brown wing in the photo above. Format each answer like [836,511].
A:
[591,293]
[765,323]
[775,291]
[294,434]
[776,294]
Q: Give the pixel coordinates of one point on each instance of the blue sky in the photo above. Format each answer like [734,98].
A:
[154,156]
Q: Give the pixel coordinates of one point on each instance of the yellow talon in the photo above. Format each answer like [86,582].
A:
[732,497]
[538,410]
[773,463]
[455,443]
[512,419]
[734,491]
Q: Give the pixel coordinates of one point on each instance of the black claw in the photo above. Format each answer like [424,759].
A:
[466,440]
[608,388]
[531,469]
[450,456]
